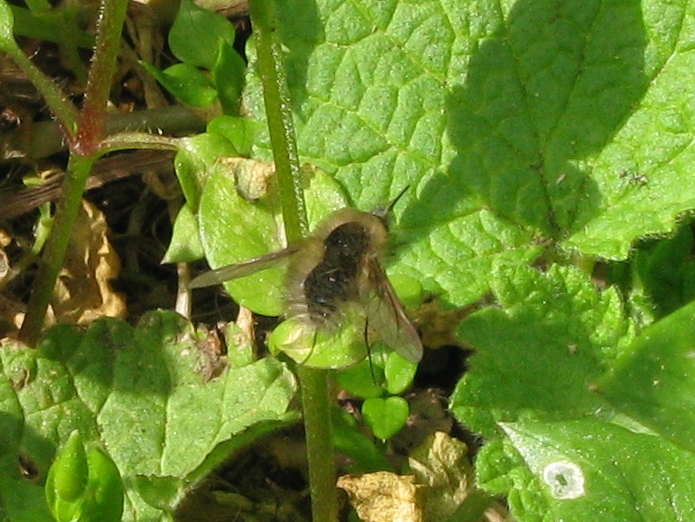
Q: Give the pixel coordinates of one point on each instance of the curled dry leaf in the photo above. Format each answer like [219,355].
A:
[383,496]
[442,464]
[83,291]
[442,481]
[252,177]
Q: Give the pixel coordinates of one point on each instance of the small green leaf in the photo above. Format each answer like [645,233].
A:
[55,25]
[240,132]
[232,230]
[84,485]
[339,347]
[363,379]
[195,160]
[185,82]
[185,245]
[228,77]
[399,373]
[68,476]
[106,486]
[385,417]
[366,457]
[197,33]
[653,379]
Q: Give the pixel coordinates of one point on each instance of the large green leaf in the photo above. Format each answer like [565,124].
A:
[518,124]
[141,394]
[540,357]
[536,371]
[592,470]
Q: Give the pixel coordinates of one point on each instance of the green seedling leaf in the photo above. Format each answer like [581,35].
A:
[652,381]
[385,417]
[233,229]
[540,356]
[363,379]
[68,476]
[592,470]
[187,83]
[320,347]
[185,245]
[197,33]
[237,224]
[84,485]
[366,457]
[140,392]
[239,131]
[58,25]
[399,373]
[228,76]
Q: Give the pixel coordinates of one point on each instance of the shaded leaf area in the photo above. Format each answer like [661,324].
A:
[518,125]
[142,395]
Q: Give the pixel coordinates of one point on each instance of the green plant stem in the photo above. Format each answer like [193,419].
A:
[47,138]
[314,383]
[83,154]
[92,119]
[54,253]
[137,140]
[319,443]
[278,108]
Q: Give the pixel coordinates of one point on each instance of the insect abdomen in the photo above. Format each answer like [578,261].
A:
[335,278]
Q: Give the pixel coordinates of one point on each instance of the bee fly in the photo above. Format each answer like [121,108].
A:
[336,266]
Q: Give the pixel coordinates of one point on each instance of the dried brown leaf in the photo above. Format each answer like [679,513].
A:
[83,291]
[383,496]
[442,464]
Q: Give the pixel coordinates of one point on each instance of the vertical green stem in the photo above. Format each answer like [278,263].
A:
[278,107]
[53,255]
[314,384]
[319,442]
[84,152]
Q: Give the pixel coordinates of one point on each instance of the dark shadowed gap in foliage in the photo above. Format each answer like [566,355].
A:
[267,481]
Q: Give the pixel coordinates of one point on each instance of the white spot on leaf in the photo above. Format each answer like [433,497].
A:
[565,479]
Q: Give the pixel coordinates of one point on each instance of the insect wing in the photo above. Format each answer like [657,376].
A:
[386,314]
[251,266]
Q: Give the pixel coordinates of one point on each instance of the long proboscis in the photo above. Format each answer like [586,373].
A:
[248,267]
